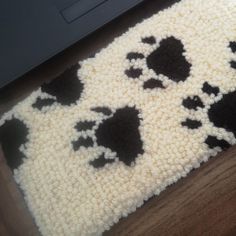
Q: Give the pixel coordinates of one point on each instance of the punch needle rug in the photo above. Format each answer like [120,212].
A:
[92,145]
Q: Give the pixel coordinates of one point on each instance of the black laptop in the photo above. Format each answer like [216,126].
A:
[32,31]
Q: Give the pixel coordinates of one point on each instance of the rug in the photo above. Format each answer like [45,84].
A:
[91,146]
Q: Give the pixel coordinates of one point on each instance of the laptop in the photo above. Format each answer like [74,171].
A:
[32,31]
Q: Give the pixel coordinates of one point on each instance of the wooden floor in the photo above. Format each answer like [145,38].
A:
[204,203]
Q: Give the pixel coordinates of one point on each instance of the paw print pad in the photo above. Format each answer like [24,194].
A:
[164,59]
[66,89]
[13,136]
[221,113]
[116,134]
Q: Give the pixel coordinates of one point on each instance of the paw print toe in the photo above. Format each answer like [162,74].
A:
[149,40]
[101,161]
[82,142]
[134,55]
[233,64]
[153,83]
[232,46]
[43,102]
[209,89]
[84,125]
[192,124]
[134,73]
[104,110]
[193,103]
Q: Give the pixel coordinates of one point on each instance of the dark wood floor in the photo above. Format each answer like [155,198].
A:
[204,203]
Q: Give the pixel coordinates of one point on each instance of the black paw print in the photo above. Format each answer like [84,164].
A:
[221,113]
[117,134]
[166,58]
[13,134]
[232,46]
[66,89]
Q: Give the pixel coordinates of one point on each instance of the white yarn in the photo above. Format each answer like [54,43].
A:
[65,194]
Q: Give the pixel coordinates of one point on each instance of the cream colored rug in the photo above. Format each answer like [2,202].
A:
[89,147]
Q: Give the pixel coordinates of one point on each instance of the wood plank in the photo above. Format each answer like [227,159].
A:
[15,218]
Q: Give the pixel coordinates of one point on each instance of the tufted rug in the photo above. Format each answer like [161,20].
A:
[92,145]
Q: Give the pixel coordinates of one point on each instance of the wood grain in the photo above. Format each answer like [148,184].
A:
[15,218]
[204,203]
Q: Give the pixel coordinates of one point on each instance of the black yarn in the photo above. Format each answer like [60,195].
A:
[13,134]
[168,59]
[67,88]
[120,133]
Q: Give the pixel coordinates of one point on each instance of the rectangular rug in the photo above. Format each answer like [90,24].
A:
[92,145]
